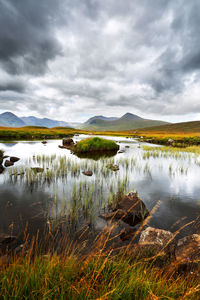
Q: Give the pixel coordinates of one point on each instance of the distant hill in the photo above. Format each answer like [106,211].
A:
[33,121]
[93,119]
[185,127]
[8,119]
[126,122]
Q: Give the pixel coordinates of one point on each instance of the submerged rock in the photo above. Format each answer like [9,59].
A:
[8,163]
[87,173]
[14,159]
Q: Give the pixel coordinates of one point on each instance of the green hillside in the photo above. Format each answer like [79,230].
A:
[185,127]
[126,122]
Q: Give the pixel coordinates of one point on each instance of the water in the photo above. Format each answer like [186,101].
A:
[30,199]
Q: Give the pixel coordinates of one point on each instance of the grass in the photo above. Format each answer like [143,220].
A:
[174,150]
[34,132]
[95,144]
[97,275]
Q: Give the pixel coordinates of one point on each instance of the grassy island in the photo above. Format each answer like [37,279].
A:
[95,144]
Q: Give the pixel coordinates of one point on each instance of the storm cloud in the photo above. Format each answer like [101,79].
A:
[73,59]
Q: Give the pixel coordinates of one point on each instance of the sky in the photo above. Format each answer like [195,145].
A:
[70,60]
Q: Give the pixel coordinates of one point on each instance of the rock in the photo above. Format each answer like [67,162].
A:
[8,163]
[155,237]
[127,146]
[14,159]
[121,151]
[113,167]
[5,156]
[44,142]
[134,207]
[115,215]
[37,169]
[7,239]
[188,248]
[88,173]
[67,142]
[131,210]
[1,169]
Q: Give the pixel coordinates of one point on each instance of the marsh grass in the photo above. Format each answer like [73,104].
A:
[100,273]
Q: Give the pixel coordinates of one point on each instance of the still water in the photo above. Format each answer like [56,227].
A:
[28,198]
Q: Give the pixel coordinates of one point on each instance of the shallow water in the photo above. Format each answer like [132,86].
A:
[32,198]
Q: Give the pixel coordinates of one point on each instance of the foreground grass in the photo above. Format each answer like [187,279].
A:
[95,144]
[97,277]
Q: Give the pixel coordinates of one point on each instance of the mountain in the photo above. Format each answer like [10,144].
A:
[8,119]
[33,121]
[93,119]
[126,122]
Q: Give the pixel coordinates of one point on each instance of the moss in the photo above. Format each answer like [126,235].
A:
[95,144]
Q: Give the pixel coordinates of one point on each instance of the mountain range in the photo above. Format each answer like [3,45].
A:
[9,119]
[96,123]
[126,122]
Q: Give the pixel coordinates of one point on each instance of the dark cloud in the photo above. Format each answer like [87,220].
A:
[27,37]
[98,57]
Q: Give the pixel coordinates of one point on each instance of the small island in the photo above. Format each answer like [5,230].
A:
[95,144]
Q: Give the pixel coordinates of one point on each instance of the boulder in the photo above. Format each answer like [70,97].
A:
[155,237]
[14,159]
[130,209]
[8,163]
[44,142]
[67,142]
[88,173]
[132,204]
[188,248]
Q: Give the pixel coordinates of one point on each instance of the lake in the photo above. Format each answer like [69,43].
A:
[30,198]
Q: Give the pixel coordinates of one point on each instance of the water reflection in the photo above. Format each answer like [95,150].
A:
[29,197]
